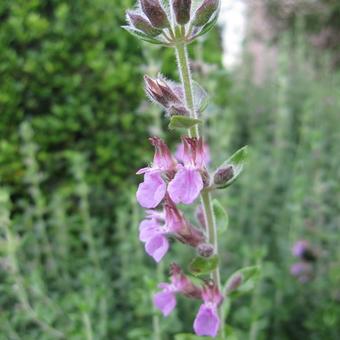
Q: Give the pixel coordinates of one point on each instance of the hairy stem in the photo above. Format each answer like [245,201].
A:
[184,70]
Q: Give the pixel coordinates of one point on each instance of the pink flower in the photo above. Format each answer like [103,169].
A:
[183,230]
[152,190]
[303,271]
[154,229]
[300,248]
[207,321]
[179,154]
[165,300]
[188,183]
[152,232]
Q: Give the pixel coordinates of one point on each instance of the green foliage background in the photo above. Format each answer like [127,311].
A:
[73,129]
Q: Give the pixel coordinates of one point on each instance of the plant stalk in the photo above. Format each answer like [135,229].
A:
[209,215]
[184,70]
[185,74]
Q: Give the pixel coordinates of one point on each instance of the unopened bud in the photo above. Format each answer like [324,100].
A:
[142,24]
[182,10]
[204,12]
[234,283]
[167,91]
[223,175]
[155,13]
[161,92]
[205,250]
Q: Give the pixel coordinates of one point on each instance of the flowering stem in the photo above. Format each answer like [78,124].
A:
[209,216]
[184,70]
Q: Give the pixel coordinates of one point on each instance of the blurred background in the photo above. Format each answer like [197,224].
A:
[74,124]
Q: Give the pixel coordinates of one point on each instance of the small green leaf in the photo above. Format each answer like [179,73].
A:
[221,216]
[201,98]
[141,35]
[183,122]
[201,266]
[237,161]
[246,278]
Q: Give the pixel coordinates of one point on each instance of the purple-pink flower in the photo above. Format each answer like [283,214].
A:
[179,154]
[207,321]
[302,270]
[188,182]
[300,248]
[152,190]
[185,181]
[165,300]
[152,233]
[154,229]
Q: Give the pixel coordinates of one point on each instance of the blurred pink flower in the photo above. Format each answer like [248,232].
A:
[207,321]
[165,300]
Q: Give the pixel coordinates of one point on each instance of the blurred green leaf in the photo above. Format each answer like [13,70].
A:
[201,98]
[221,216]
[202,266]
[246,279]
[183,122]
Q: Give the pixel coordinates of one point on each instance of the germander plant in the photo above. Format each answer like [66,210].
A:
[183,178]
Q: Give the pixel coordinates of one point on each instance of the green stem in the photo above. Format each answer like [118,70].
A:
[212,230]
[184,70]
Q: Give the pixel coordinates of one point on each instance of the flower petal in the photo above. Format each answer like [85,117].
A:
[165,301]
[148,229]
[186,186]
[157,247]
[143,170]
[206,322]
[151,192]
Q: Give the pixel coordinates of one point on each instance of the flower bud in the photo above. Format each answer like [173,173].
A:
[205,250]
[155,13]
[204,12]
[142,24]
[161,92]
[182,10]
[223,175]
[235,282]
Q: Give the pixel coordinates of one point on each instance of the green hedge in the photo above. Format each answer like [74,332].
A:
[69,68]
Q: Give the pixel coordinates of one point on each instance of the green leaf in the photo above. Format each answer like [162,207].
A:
[183,122]
[237,161]
[141,35]
[249,277]
[202,266]
[201,98]
[221,216]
